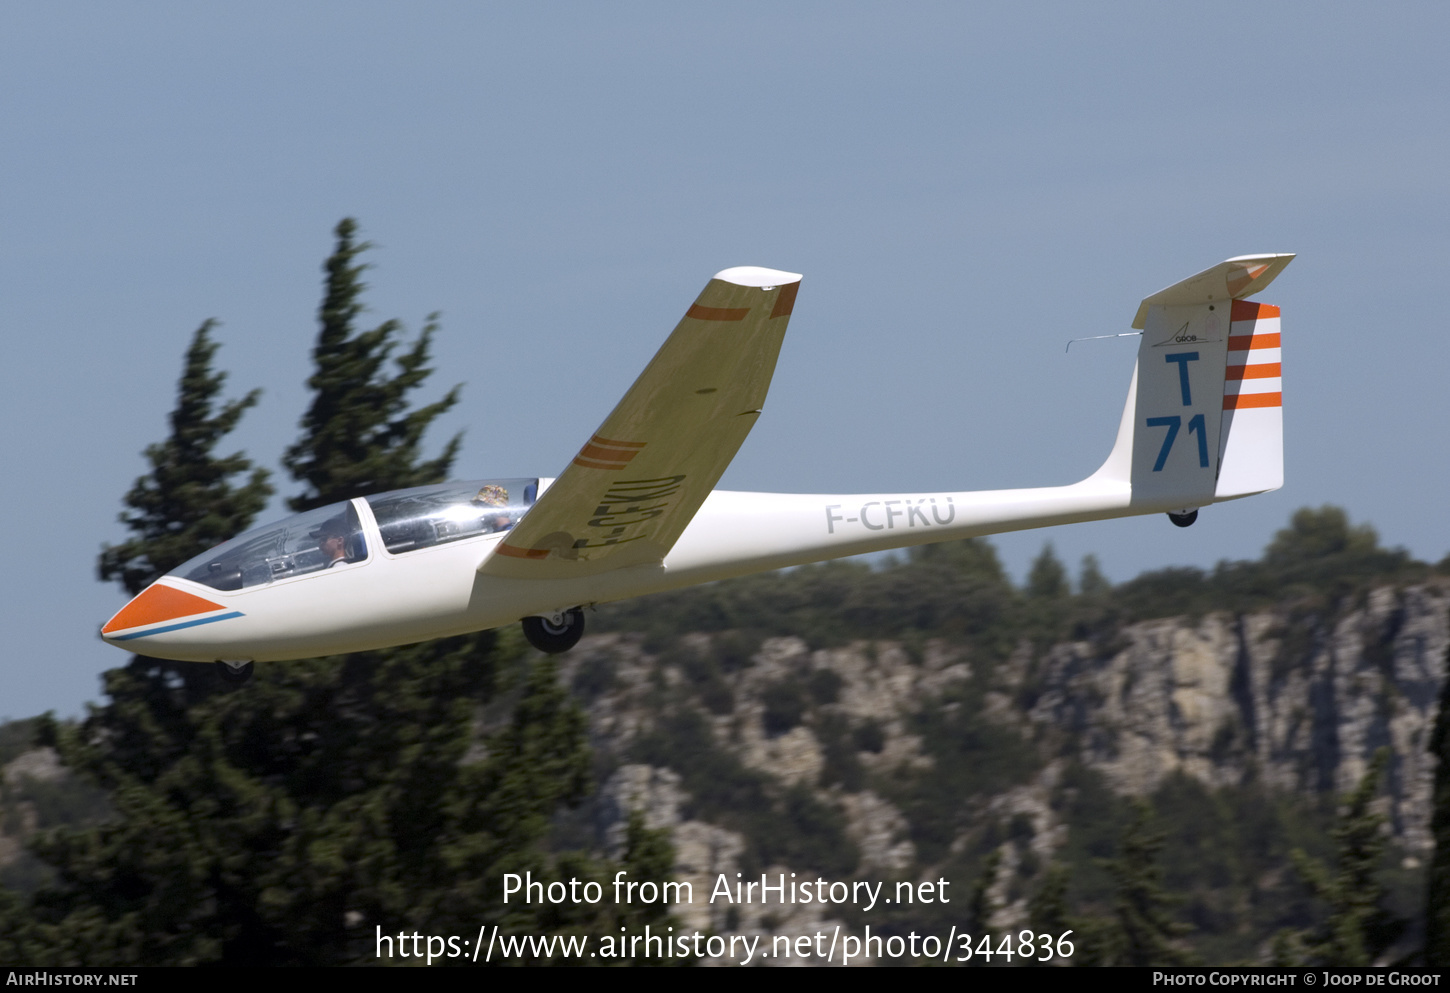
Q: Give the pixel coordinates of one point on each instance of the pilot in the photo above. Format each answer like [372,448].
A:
[332,540]
[494,501]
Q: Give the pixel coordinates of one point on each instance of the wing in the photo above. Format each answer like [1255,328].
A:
[635,485]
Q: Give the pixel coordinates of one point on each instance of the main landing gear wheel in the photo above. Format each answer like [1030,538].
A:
[1183,520]
[235,673]
[552,635]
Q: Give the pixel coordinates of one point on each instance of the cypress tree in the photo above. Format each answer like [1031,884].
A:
[189,501]
[291,820]
[359,435]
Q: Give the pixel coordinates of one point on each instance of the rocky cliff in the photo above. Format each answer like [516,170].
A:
[1294,700]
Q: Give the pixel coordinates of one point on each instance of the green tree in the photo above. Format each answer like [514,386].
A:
[1322,549]
[1437,908]
[1048,578]
[298,816]
[1359,927]
[1048,911]
[981,906]
[1091,581]
[293,820]
[1141,930]
[1318,534]
[190,500]
[360,435]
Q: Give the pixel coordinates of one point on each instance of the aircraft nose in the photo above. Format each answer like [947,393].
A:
[160,608]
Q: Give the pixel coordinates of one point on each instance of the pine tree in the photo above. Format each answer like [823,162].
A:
[189,501]
[1048,579]
[1047,911]
[1359,927]
[1141,931]
[981,907]
[1091,581]
[359,435]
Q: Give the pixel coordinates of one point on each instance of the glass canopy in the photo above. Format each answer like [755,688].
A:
[333,536]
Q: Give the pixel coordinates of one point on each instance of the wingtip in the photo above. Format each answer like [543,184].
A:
[756,276]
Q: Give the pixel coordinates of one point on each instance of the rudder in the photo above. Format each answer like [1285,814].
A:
[1251,454]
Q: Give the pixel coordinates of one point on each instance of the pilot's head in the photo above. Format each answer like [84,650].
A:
[332,539]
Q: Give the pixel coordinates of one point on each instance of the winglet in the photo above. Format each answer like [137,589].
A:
[1234,279]
[755,276]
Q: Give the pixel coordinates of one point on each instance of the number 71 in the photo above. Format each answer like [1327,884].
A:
[1196,424]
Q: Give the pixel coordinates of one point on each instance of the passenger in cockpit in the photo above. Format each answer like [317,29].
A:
[494,500]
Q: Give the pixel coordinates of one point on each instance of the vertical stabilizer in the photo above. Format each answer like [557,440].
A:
[1204,417]
[1179,405]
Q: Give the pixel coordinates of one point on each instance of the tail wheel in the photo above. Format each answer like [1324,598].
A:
[1185,519]
[559,633]
[235,673]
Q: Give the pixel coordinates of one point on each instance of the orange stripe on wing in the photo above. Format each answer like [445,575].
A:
[1264,370]
[1238,401]
[785,303]
[601,440]
[1244,310]
[717,313]
[521,553]
[1244,342]
[604,453]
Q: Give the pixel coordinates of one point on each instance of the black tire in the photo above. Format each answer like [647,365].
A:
[551,638]
[1184,520]
[235,677]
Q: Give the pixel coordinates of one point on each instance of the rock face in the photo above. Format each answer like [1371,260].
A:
[1295,699]
[1298,702]
[18,815]
[1291,699]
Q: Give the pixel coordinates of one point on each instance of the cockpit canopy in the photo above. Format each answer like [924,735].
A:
[432,515]
[336,535]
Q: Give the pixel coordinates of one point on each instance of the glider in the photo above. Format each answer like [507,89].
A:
[637,512]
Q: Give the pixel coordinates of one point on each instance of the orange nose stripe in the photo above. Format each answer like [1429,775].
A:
[158,603]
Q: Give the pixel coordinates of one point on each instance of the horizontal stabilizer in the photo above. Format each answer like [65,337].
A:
[1232,280]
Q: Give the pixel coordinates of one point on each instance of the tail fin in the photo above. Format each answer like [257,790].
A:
[1251,452]
[1204,419]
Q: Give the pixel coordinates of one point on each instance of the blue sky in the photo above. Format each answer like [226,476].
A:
[964,186]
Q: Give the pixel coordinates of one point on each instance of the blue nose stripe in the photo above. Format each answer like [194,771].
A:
[174,627]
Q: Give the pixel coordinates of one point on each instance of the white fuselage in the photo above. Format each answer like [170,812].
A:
[437,592]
